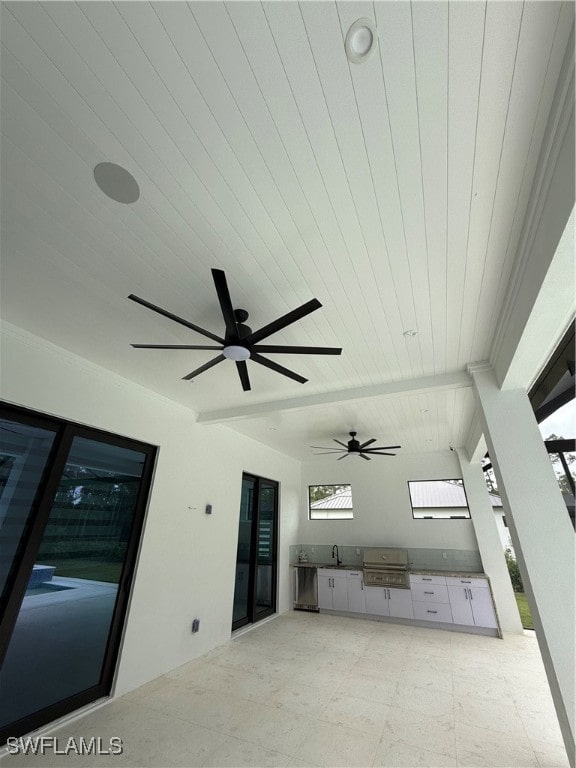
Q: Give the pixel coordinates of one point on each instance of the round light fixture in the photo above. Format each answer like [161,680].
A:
[116,182]
[361,41]
[235,352]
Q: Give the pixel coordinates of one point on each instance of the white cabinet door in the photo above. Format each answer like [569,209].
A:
[460,604]
[324,591]
[467,582]
[339,594]
[356,599]
[377,601]
[400,602]
[418,578]
[433,612]
[482,608]
[430,593]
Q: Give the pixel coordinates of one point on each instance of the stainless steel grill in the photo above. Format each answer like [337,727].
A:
[386,567]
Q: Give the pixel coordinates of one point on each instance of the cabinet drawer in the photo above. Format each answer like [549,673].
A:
[333,573]
[416,578]
[436,612]
[430,593]
[452,581]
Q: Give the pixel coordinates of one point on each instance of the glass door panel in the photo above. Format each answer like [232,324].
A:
[24,454]
[63,632]
[266,560]
[242,586]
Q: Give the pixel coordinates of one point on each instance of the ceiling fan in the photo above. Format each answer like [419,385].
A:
[240,343]
[354,448]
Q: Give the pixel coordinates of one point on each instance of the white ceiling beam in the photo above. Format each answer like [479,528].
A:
[447,381]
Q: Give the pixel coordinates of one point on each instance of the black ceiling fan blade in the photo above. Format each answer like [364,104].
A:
[382,448]
[242,369]
[284,350]
[172,346]
[176,319]
[323,453]
[282,322]
[365,457]
[344,445]
[327,448]
[379,453]
[368,442]
[343,457]
[278,368]
[204,367]
[225,303]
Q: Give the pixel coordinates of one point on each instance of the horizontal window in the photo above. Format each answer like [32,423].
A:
[438,499]
[330,502]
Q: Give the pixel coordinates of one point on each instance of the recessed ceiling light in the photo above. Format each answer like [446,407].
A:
[410,333]
[361,41]
[116,182]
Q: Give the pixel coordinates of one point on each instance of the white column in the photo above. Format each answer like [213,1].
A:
[540,528]
[489,544]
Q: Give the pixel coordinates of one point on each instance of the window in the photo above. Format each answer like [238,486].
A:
[330,502]
[71,509]
[438,500]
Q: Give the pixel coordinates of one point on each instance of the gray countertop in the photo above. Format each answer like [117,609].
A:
[328,565]
[416,571]
[455,574]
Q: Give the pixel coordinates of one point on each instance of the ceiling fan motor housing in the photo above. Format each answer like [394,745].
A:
[353,445]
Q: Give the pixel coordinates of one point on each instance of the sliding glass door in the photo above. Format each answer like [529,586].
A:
[72,502]
[255,587]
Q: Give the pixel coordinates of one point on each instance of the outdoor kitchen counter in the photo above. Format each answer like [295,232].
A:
[415,571]
[452,574]
[328,565]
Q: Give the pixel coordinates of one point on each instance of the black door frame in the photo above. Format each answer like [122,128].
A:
[32,538]
[254,616]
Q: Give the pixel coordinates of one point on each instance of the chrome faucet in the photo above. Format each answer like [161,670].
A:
[338,561]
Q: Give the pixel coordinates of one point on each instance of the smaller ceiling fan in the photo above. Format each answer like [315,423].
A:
[354,448]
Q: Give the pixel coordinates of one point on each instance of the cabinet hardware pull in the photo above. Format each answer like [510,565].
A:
[428,593]
[431,611]
[362,583]
[425,578]
[466,593]
[470,591]
[463,581]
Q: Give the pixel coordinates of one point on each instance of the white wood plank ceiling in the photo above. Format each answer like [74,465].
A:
[393,191]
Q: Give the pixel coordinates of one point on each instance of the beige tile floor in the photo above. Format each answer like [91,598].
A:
[308,690]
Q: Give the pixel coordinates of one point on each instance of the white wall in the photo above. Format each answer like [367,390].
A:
[187,561]
[382,510]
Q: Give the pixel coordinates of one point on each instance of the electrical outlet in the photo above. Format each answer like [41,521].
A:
[195,625]
[357,550]
[444,556]
[313,550]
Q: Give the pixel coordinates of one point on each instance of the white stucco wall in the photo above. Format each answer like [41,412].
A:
[382,510]
[187,561]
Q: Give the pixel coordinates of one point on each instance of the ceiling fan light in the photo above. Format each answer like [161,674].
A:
[236,352]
